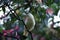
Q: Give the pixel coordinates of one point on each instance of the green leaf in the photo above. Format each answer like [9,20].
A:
[1,29]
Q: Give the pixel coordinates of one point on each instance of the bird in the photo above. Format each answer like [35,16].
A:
[29,21]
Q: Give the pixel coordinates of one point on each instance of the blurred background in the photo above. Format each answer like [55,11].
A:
[42,18]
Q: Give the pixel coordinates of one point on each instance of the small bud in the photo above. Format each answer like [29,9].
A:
[4,31]
[50,11]
[12,30]
[5,34]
